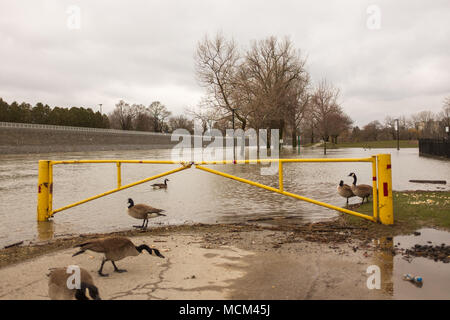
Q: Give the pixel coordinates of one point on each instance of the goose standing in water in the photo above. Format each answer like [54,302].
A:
[143,212]
[345,190]
[361,190]
[115,249]
[58,290]
[160,185]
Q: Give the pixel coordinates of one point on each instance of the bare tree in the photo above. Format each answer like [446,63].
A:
[296,110]
[122,117]
[142,119]
[324,108]
[216,62]
[181,122]
[205,116]
[275,80]
[339,123]
[159,113]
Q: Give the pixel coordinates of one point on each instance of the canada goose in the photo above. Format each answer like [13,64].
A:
[58,289]
[160,185]
[361,190]
[345,190]
[143,211]
[115,249]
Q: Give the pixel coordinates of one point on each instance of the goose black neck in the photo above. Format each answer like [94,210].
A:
[149,250]
[80,294]
[354,179]
[144,247]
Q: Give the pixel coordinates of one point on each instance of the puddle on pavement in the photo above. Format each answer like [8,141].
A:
[436,275]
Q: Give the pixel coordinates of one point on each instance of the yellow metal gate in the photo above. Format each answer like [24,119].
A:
[381,183]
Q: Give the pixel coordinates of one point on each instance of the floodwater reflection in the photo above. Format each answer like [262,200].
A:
[192,195]
[435,274]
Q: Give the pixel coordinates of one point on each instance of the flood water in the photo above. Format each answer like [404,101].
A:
[192,195]
[435,275]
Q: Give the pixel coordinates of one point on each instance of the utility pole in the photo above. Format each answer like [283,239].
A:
[234,147]
[397,128]
[100,104]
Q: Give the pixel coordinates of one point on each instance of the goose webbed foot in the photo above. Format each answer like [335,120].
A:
[117,269]
[120,270]
[100,271]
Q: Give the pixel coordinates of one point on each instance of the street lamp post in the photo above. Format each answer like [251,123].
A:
[397,128]
[234,145]
[100,104]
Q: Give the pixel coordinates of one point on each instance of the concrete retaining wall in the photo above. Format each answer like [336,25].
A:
[18,138]
[34,139]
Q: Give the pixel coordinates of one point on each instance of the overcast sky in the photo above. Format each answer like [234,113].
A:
[142,51]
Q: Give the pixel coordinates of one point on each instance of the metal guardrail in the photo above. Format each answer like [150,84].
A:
[83,129]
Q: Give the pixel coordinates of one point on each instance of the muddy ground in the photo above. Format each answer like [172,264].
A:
[231,261]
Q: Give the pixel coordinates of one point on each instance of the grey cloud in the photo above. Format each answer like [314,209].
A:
[142,51]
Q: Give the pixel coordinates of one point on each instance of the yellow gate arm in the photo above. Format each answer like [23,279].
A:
[289,194]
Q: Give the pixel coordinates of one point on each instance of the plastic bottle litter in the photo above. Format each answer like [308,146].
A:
[418,281]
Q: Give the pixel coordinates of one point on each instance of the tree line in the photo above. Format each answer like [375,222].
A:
[154,117]
[44,114]
[424,124]
[267,86]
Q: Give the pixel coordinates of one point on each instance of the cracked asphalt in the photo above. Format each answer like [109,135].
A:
[232,264]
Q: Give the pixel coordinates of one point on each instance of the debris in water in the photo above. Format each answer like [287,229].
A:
[13,245]
[437,253]
[418,281]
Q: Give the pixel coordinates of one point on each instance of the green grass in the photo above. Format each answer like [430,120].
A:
[307,145]
[374,144]
[412,210]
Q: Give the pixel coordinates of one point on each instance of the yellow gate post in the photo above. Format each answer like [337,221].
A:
[43,190]
[385,202]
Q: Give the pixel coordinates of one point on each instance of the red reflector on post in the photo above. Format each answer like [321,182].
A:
[385,189]
[374,178]
[39,189]
[388,166]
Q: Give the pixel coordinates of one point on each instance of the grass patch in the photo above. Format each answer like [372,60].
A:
[373,144]
[412,210]
[307,145]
